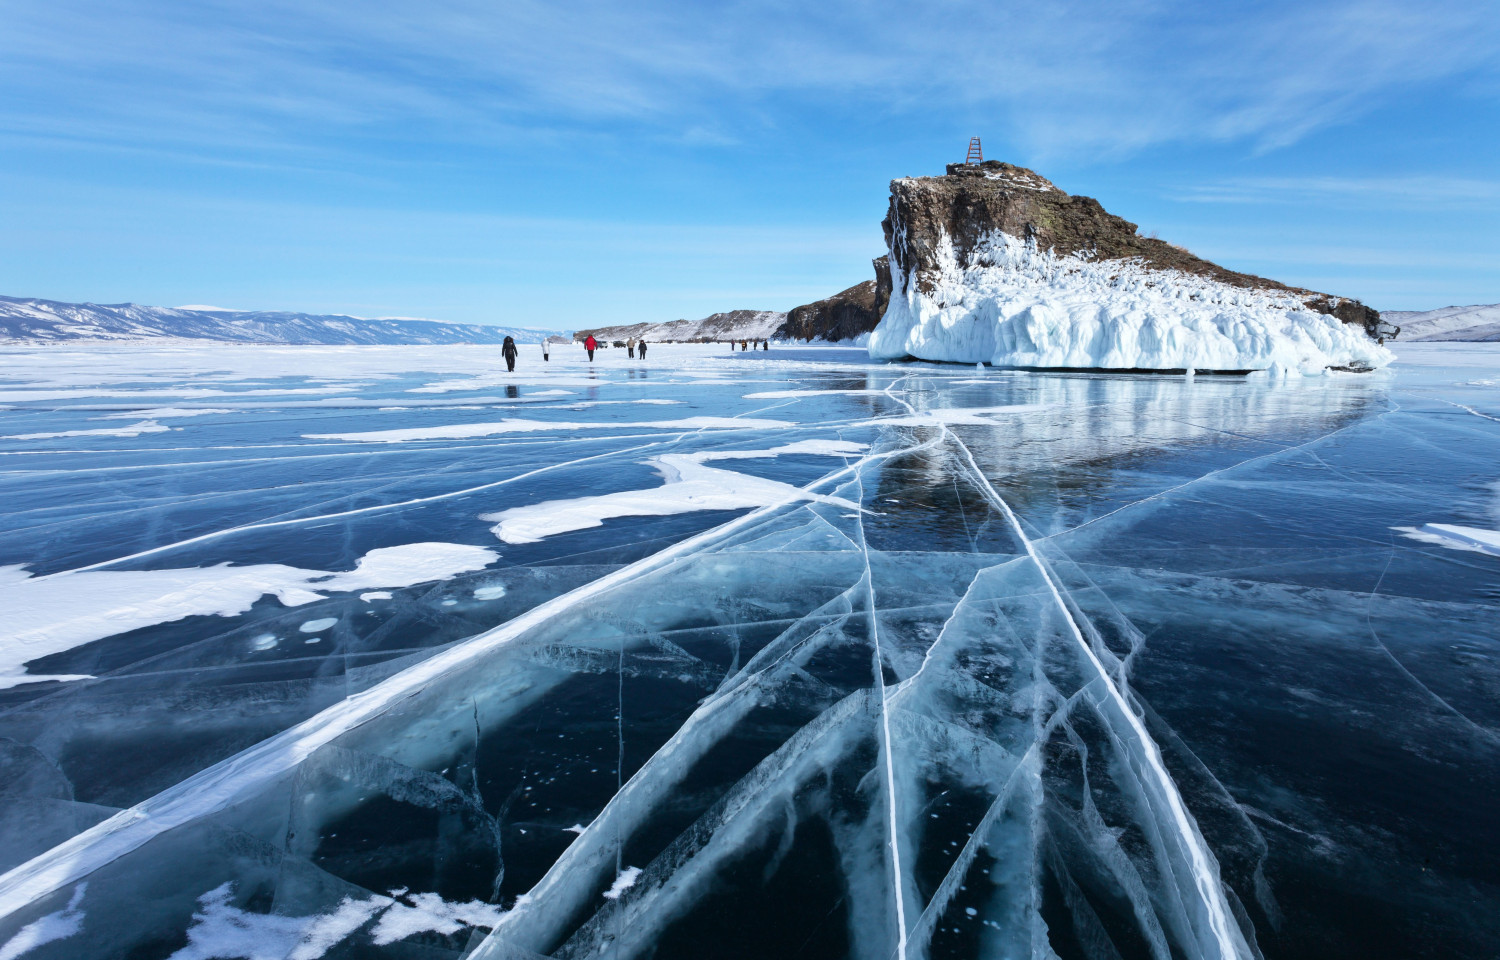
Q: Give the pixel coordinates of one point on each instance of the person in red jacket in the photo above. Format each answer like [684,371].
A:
[590,344]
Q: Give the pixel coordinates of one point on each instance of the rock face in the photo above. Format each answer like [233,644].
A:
[845,315]
[733,325]
[993,262]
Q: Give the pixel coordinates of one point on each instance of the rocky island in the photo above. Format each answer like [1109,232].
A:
[993,263]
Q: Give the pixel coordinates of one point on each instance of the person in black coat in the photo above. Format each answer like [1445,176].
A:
[508,351]
[640,348]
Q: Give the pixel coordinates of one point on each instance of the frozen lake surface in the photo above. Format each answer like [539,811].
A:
[379,651]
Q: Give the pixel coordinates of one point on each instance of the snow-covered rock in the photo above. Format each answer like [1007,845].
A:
[994,264]
[1012,305]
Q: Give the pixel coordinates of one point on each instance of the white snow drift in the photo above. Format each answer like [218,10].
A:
[690,486]
[1016,306]
[46,615]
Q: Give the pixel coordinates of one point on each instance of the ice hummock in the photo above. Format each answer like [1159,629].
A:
[1013,305]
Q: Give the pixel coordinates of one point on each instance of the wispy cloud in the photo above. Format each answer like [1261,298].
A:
[1424,192]
[1066,78]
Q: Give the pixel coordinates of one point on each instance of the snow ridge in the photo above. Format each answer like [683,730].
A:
[1014,305]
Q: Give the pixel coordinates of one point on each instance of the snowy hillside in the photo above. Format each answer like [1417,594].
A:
[733,325]
[1013,305]
[23,319]
[1476,323]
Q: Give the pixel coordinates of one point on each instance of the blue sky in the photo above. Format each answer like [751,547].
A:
[569,163]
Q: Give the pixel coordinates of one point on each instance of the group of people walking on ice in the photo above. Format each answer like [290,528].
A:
[634,346]
[636,349]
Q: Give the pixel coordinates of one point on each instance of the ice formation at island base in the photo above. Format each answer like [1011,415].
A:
[1012,305]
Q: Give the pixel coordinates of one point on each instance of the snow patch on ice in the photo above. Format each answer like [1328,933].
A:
[690,487]
[222,931]
[375,595]
[1014,305]
[787,394]
[463,431]
[1455,537]
[956,416]
[492,592]
[623,882]
[134,430]
[46,615]
[65,923]
[162,413]
[820,448]
[315,626]
[429,912]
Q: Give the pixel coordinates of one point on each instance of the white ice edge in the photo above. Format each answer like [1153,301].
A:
[220,785]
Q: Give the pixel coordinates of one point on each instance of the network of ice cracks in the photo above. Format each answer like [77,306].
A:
[937,730]
[1012,305]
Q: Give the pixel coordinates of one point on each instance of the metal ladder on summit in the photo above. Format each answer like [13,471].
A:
[976,155]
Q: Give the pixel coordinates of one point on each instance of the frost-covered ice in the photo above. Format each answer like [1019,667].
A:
[869,661]
[1012,305]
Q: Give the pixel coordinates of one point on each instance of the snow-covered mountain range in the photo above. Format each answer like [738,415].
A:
[26,319]
[733,325]
[1477,323]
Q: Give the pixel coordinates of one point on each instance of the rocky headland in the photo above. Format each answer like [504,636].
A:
[994,263]
[846,315]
